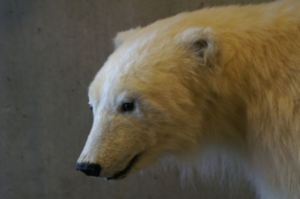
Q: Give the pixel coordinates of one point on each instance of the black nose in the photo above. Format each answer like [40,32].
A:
[89,169]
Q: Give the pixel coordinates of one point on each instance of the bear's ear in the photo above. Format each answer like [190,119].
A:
[123,36]
[201,42]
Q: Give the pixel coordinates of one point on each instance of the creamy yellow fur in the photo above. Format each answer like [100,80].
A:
[237,96]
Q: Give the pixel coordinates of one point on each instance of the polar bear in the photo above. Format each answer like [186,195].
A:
[221,82]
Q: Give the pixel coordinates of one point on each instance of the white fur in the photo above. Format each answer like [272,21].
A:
[230,103]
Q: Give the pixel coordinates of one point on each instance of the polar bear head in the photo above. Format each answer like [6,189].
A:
[148,99]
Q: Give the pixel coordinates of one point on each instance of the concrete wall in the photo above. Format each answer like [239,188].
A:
[49,53]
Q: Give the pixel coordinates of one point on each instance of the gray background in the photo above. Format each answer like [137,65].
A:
[49,53]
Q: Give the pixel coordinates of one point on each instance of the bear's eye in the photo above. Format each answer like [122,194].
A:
[91,107]
[127,106]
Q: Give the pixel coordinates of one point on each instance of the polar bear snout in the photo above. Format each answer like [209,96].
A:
[89,169]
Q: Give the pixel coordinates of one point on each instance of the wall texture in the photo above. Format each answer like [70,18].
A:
[49,53]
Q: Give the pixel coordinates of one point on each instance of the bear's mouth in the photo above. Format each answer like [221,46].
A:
[122,174]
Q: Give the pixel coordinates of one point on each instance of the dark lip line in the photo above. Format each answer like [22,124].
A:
[127,168]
